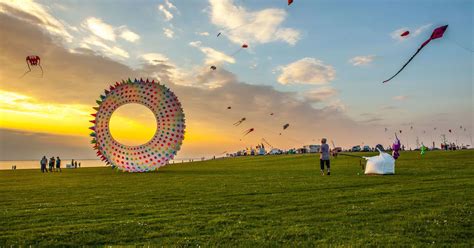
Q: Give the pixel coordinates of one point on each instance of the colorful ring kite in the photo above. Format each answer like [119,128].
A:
[164,144]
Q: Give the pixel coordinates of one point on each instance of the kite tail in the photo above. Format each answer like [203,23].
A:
[233,54]
[403,67]
[26,72]
[41,70]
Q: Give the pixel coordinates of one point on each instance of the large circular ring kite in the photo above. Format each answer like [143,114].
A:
[168,136]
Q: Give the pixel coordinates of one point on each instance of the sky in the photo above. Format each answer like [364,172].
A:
[317,65]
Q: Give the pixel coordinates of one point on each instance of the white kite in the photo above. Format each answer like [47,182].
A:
[382,164]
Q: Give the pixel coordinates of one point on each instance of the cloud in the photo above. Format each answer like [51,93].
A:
[320,94]
[34,13]
[113,51]
[168,16]
[100,28]
[128,35]
[108,32]
[413,32]
[166,9]
[306,71]
[213,56]
[400,98]
[362,60]
[240,25]
[203,33]
[168,32]
[24,145]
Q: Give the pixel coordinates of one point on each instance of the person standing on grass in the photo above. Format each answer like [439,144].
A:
[43,163]
[51,164]
[58,164]
[324,157]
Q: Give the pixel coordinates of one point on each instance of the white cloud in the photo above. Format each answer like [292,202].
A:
[240,25]
[168,32]
[362,60]
[320,94]
[35,13]
[108,32]
[170,5]
[400,98]
[167,14]
[413,32]
[114,51]
[100,28]
[306,71]
[203,33]
[212,56]
[128,35]
[154,58]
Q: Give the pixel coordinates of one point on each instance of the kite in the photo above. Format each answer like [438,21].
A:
[167,139]
[229,107]
[213,67]
[396,147]
[33,60]
[437,33]
[386,129]
[240,121]
[450,130]
[400,131]
[271,113]
[380,165]
[290,2]
[248,131]
[406,33]
[219,34]
[423,149]
[286,126]
[240,49]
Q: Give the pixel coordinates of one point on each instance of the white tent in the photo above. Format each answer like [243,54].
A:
[382,164]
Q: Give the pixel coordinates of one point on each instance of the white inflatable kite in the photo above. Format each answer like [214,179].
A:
[382,164]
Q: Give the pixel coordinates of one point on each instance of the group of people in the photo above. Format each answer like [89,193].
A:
[54,164]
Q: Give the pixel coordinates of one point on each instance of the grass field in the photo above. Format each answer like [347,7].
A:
[248,201]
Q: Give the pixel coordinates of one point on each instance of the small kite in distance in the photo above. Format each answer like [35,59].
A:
[437,33]
[406,33]
[213,67]
[286,126]
[33,60]
[248,131]
[219,34]
[400,131]
[240,121]
[229,107]
[290,2]
[271,113]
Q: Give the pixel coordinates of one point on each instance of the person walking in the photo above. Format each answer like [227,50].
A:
[43,163]
[324,157]
[75,164]
[58,164]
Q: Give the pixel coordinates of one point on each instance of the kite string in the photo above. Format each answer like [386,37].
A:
[461,46]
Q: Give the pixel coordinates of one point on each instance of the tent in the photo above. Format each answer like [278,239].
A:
[382,164]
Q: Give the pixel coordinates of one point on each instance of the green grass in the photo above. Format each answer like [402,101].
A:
[249,201]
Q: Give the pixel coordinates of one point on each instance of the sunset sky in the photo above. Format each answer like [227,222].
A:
[318,65]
